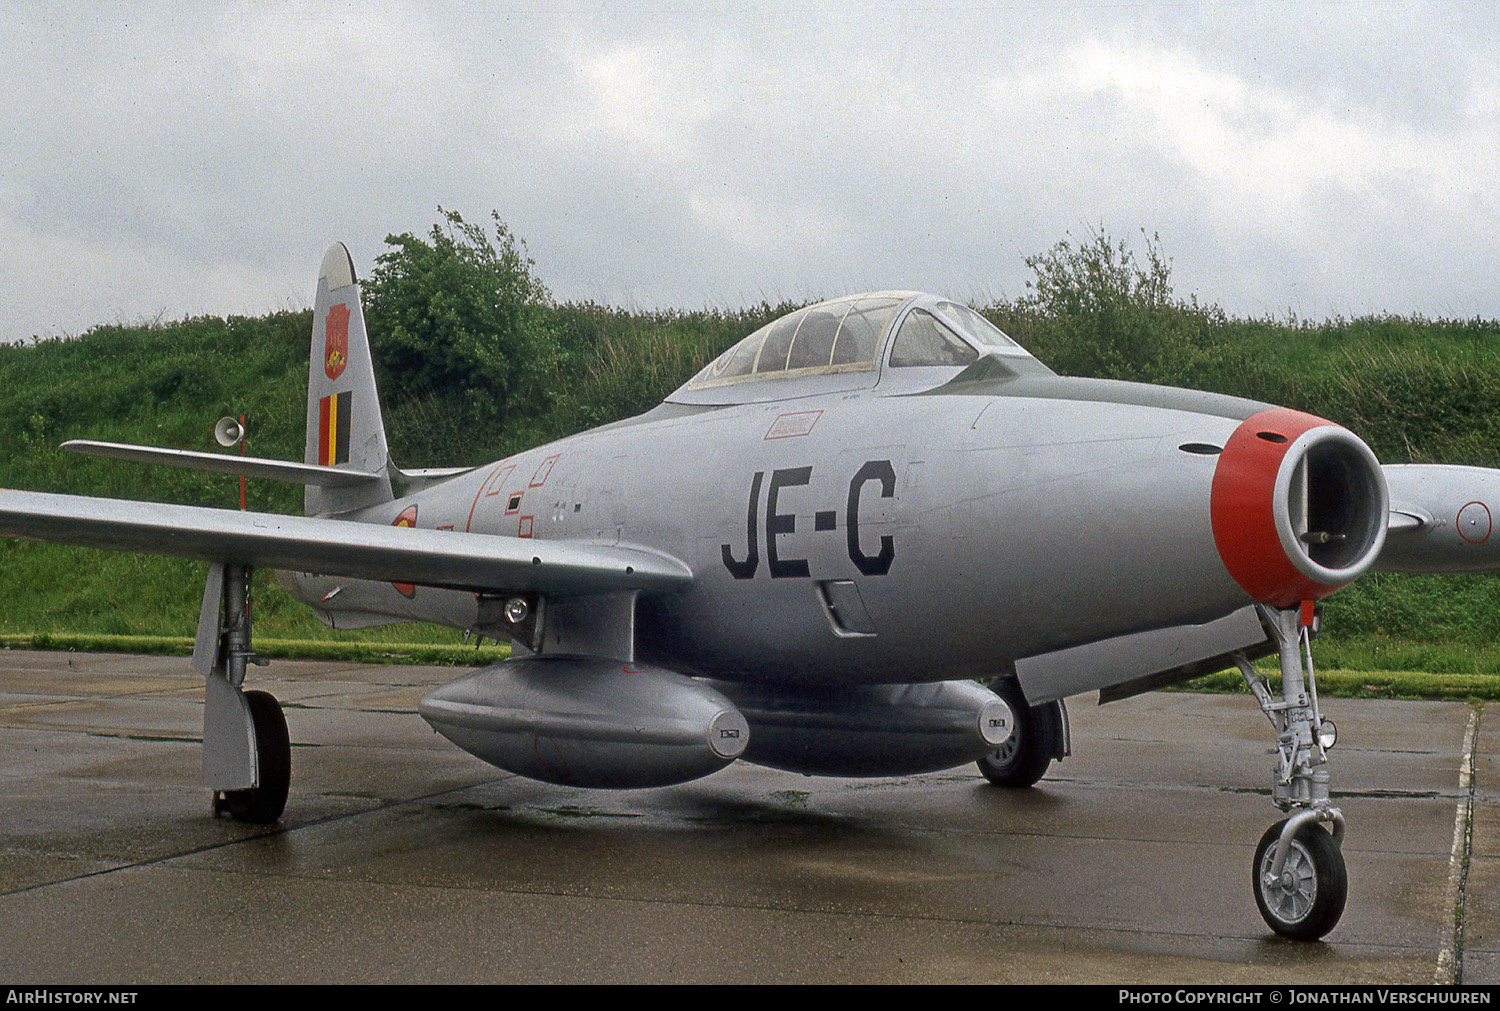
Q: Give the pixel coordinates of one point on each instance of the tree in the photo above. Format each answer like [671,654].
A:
[1102,313]
[458,319]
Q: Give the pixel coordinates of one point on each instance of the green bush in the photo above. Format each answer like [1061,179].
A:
[459,319]
[1095,310]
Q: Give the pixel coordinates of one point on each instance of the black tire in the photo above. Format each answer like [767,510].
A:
[1308,899]
[1024,758]
[263,804]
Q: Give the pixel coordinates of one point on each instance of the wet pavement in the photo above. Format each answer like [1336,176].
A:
[401,859]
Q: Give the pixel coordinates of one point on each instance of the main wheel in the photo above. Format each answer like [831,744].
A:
[1306,901]
[1024,757]
[263,804]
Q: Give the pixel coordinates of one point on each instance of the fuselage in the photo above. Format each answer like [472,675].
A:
[874,538]
[906,523]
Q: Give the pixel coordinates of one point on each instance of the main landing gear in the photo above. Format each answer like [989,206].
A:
[1040,735]
[1298,871]
[247,754]
[263,803]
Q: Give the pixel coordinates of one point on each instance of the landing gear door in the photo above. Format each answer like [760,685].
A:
[229,758]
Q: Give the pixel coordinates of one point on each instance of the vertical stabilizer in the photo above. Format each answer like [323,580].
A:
[344,428]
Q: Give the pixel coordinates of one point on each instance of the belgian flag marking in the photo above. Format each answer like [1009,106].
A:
[333,428]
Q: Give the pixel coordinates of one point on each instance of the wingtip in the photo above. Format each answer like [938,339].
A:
[338,267]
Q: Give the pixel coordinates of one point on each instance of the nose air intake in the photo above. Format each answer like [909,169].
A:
[1298,505]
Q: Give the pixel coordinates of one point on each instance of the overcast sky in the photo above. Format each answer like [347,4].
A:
[163,160]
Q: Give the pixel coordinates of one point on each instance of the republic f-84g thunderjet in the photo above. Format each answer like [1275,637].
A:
[815,555]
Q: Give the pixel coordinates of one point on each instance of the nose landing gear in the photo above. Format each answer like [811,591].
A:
[1298,872]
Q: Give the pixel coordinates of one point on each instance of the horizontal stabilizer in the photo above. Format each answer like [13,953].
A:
[442,558]
[223,463]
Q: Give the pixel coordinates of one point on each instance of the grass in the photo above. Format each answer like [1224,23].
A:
[1371,684]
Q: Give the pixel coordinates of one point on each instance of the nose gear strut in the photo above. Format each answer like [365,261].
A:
[1299,874]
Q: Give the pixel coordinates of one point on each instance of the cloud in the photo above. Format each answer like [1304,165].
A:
[1271,152]
[1322,160]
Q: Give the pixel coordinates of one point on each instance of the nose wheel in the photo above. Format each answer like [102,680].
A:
[1306,898]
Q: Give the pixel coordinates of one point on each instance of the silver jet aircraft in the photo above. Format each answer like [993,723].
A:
[811,556]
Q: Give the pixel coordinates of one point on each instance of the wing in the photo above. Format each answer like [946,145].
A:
[1442,519]
[442,558]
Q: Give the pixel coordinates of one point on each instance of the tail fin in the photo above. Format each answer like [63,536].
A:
[344,427]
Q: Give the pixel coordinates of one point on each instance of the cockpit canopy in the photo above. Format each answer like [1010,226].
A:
[841,345]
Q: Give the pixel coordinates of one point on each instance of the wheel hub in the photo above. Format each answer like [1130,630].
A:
[1291,895]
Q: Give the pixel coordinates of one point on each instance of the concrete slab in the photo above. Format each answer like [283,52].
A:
[1481,916]
[401,859]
